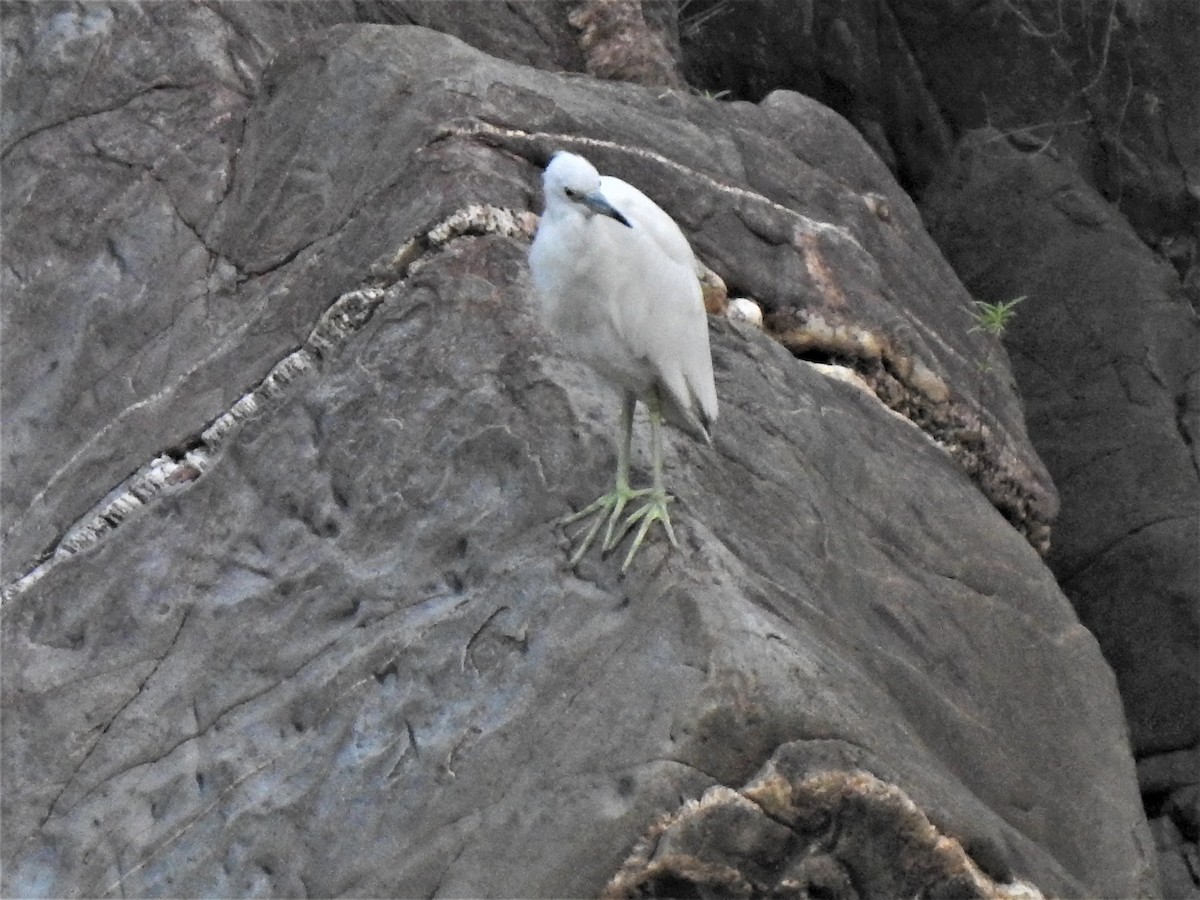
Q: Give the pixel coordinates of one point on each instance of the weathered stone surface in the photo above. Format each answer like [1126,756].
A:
[618,43]
[833,291]
[1179,864]
[359,618]
[347,658]
[849,55]
[530,32]
[148,152]
[1113,86]
[126,326]
[794,831]
[1107,353]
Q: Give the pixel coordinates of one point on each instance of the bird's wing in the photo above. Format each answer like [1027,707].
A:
[647,214]
[668,329]
[676,345]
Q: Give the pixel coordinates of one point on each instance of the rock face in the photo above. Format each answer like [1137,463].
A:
[1107,354]
[1083,195]
[1113,86]
[277,404]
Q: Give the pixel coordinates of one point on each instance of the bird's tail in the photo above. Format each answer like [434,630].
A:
[689,417]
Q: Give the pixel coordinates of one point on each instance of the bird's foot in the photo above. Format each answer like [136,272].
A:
[606,508]
[655,510]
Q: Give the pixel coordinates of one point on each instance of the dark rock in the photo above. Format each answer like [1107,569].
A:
[1162,773]
[347,659]
[819,833]
[1183,806]
[1107,353]
[529,32]
[849,55]
[619,43]
[1115,87]
[1177,866]
[1170,784]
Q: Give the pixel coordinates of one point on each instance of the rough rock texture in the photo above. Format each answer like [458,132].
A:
[1106,350]
[620,44]
[1104,101]
[798,832]
[135,330]
[336,650]
[1115,85]
[530,32]
[1170,784]
[148,152]
[848,54]
[1107,354]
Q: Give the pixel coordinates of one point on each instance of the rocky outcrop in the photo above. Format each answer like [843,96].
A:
[1107,355]
[852,56]
[330,645]
[795,832]
[1084,194]
[1112,86]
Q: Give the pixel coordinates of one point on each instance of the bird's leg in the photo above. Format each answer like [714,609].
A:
[610,506]
[655,509]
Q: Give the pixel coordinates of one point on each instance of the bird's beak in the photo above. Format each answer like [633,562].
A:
[596,203]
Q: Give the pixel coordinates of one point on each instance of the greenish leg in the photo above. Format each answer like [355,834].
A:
[655,509]
[609,506]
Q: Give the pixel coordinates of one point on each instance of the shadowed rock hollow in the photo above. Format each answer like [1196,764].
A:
[287,610]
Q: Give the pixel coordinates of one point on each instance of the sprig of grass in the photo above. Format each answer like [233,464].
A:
[993,318]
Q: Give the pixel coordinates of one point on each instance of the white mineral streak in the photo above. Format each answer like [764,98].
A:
[350,312]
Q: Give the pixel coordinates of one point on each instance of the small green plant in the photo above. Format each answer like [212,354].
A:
[993,318]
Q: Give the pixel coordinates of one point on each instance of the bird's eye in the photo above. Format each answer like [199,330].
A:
[571,192]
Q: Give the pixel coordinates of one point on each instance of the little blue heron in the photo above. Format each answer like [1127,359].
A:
[617,282]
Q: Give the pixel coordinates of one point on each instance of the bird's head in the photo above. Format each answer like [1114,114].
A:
[571,179]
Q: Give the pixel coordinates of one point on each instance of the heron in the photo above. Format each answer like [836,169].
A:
[616,279]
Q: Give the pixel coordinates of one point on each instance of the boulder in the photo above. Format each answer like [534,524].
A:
[851,56]
[1105,350]
[306,624]
[129,331]
[1115,86]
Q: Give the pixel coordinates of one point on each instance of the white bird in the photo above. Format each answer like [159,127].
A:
[617,282]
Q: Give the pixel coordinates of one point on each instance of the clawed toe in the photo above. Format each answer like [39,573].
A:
[610,506]
[655,510]
[607,508]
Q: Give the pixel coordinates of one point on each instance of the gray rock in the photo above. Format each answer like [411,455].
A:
[852,56]
[345,656]
[1161,773]
[529,32]
[1183,806]
[1177,868]
[1113,87]
[1170,784]
[1106,350]
[123,336]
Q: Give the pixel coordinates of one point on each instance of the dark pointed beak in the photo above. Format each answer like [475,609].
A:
[596,203]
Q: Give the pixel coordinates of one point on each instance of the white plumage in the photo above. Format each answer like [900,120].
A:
[617,282]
